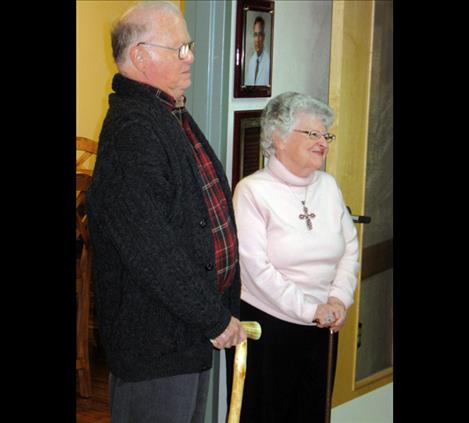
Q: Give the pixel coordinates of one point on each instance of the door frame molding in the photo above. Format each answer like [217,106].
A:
[349,96]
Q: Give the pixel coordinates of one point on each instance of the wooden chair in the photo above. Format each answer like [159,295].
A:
[86,153]
[83,286]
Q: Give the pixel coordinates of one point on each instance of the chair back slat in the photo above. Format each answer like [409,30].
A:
[86,154]
[87,145]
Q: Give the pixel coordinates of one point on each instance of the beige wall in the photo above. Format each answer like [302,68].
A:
[309,60]
[95,66]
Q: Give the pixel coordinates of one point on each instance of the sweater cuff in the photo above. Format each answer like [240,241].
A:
[341,296]
[221,325]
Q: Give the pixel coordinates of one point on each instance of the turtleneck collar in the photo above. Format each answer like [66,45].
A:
[126,86]
[281,172]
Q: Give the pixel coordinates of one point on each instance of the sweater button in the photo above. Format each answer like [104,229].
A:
[209,266]
[203,223]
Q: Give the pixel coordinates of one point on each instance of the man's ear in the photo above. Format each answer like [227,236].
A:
[137,56]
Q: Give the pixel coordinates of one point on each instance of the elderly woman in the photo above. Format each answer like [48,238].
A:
[298,254]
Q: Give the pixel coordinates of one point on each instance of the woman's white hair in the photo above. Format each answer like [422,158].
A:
[134,25]
[281,112]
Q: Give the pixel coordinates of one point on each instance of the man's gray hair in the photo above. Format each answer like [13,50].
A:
[134,24]
[281,112]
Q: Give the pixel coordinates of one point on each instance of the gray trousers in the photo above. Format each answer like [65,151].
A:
[175,399]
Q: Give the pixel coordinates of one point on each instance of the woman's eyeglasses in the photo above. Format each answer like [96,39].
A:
[317,135]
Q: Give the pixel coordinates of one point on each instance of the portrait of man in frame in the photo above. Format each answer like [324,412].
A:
[257,37]
[254,48]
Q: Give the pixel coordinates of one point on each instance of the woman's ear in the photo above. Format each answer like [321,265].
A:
[277,140]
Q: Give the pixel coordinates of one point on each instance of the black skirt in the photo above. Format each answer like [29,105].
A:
[286,371]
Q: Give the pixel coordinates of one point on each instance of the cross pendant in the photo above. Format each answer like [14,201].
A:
[307,216]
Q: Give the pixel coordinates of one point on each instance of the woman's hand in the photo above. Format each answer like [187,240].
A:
[331,315]
[324,316]
[339,311]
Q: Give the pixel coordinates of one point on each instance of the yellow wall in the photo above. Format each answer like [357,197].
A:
[95,65]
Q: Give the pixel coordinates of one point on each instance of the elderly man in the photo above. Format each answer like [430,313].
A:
[165,263]
[259,63]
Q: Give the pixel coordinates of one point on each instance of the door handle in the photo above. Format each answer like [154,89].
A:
[358,218]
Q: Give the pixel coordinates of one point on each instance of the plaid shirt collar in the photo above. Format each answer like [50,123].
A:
[176,107]
[169,101]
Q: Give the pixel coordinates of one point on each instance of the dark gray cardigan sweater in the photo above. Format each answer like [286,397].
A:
[154,278]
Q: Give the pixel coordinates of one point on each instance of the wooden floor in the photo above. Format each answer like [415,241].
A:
[95,409]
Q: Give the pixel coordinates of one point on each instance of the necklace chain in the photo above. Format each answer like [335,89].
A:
[294,193]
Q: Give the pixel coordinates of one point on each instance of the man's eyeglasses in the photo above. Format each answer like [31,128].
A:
[183,50]
[316,135]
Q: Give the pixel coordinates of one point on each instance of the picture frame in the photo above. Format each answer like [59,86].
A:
[247,151]
[254,48]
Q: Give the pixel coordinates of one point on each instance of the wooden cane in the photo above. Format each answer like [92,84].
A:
[253,331]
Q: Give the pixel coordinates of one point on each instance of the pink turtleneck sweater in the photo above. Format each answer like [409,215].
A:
[287,270]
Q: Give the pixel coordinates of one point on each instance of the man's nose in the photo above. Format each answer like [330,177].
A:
[190,57]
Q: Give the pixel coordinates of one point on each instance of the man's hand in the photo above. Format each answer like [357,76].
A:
[234,334]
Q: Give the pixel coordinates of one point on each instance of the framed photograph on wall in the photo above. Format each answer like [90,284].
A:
[247,152]
[254,46]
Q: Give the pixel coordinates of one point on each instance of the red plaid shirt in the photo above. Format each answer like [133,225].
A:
[223,231]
